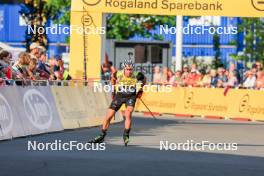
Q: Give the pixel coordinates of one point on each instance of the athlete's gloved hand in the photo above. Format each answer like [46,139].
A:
[139,94]
[113,95]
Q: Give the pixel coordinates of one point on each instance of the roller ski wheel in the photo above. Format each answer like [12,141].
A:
[126,140]
[97,140]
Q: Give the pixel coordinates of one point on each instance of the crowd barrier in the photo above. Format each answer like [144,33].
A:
[89,111]
[35,110]
[40,109]
[27,111]
[212,102]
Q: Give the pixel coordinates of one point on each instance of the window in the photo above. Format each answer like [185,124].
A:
[140,54]
[156,54]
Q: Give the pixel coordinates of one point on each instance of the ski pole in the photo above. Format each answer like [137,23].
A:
[147,108]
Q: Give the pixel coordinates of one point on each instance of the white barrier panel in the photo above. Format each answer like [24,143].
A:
[38,110]
[81,106]
[10,121]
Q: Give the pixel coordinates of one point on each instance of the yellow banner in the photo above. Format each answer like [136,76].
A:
[206,102]
[86,52]
[241,8]
[85,42]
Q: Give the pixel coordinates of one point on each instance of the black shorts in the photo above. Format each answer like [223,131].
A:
[118,101]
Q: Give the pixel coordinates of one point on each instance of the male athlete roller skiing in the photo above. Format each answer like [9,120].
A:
[128,87]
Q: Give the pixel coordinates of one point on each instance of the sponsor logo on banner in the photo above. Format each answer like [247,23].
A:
[246,107]
[6,116]
[37,109]
[258,4]
[188,100]
[91,2]
[244,102]
[196,104]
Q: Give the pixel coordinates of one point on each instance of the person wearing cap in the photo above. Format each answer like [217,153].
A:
[185,72]
[192,79]
[34,50]
[128,86]
[42,68]
[250,81]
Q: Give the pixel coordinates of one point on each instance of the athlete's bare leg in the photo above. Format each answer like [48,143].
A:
[128,115]
[109,116]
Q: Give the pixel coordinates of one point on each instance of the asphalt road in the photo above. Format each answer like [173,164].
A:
[143,155]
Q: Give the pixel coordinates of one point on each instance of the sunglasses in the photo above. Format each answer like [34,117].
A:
[129,69]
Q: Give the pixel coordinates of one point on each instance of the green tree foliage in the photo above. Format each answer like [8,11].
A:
[124,26]
[119,26]
[253,30]
[217,60]
[35,16]
[59,11]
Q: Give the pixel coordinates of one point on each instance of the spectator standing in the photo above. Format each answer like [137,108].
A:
[185,73]
[232,80]
[250,80]
[59,68]
[35,50]
[157,76]
[206,80]
[171,78]
[214,78]
[222,78]
[260,80]
[193,79]
[178,78]
[164,78]
[232,68]
[42,67]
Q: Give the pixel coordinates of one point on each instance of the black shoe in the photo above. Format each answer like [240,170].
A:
[126,139]
[98,139]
